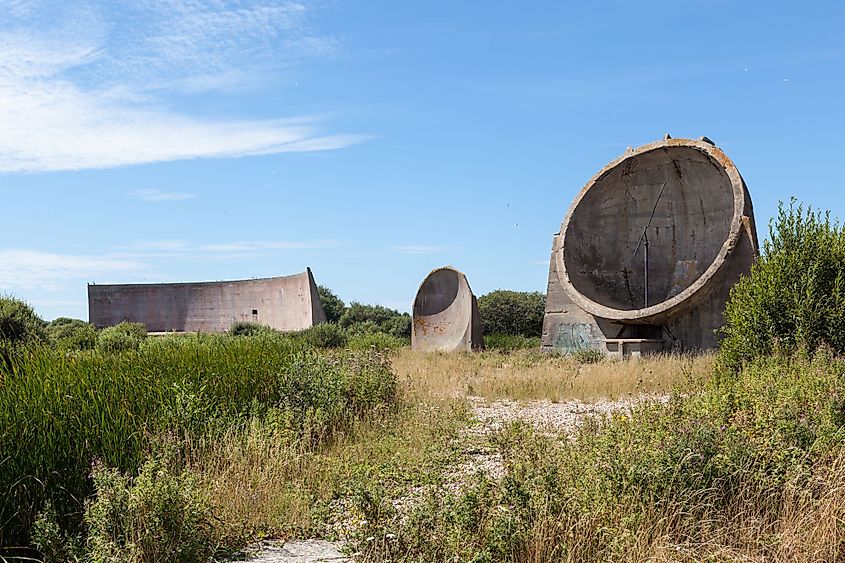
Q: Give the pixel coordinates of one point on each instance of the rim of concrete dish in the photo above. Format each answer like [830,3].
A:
[686,296]
[462,279]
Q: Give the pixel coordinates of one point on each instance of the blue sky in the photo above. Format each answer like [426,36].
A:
[373,141]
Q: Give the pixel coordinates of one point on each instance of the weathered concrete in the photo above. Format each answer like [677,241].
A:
[445,315]
[684,203]
[284,303]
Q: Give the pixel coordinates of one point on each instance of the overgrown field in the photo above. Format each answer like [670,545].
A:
[175,404]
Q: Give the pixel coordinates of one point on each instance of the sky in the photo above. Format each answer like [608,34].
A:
[372,141]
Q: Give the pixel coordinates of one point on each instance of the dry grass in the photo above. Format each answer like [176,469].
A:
[262,485]
[529,375]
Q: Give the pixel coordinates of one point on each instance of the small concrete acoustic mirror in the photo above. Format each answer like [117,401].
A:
[445,314]
[648,251]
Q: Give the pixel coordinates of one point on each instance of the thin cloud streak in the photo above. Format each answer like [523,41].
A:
[158,196]
[180,247]
[32,269]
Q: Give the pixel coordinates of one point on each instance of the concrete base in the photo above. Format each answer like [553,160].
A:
[621,348]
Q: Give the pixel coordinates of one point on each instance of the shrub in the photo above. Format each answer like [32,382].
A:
[512,312]
[158,516]
[121,337]
[795,295]
[399,326]
[375,340]
[333,306]
[19,324]
[510,342]
[72,334]
[376,318]
[325,335]
[243,328]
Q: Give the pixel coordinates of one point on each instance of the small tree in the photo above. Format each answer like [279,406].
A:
[512,312]
[795,295]
[332,304]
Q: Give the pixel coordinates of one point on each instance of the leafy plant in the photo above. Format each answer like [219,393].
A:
[121,337]
[325,335]
[333,306]
[795,295]
[512,312]
[72,334]
[160,515]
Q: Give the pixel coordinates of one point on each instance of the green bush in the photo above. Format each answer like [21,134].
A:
[243,328]
[375,340]
[158,516]
[325,335]
[362,318]
[333,306]
[795,295]
[510,342]
[72,334]
[19,324]
[121,337]
[512,312]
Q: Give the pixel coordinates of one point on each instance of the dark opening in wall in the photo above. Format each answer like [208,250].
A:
[255,312]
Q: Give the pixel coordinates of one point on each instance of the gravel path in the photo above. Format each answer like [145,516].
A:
[307,551]
[477,455]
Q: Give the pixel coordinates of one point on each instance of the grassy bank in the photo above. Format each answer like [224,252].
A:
[62,414]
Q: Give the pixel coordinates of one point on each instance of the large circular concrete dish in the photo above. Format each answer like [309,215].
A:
[444,313]
[683,200]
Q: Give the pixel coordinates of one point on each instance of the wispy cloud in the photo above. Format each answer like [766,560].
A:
[158,196]
[35,269]
[83,88]
[417,249]
[31,269]
[180,247]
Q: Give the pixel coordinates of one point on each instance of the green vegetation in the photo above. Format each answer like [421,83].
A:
[72,334]
[61,413]
[510,342]
[360,318]
[19,324]
[325,335]
[795,295]
[333,306]
[512,312]
[721,469]
[121,337]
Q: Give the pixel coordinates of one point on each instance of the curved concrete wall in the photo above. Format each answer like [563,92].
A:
[285,303]
[445,314]
[685,202]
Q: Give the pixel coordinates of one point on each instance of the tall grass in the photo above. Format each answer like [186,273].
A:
[748,469]
[61,412]
[531,374]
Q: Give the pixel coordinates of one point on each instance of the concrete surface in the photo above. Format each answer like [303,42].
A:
[445,314]
[285,303]
[691,202]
